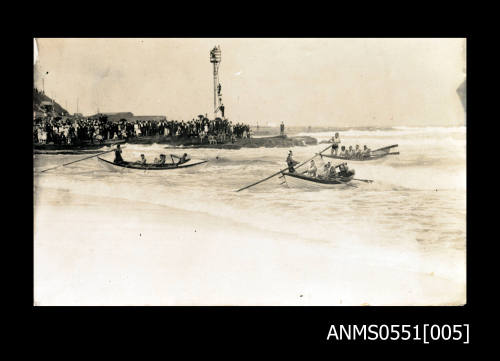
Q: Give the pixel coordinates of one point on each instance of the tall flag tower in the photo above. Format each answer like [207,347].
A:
[215,59]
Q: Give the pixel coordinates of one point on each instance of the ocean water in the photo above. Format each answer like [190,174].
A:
[412,217]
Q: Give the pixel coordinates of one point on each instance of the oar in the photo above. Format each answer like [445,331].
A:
[363,180]
[390,146]
[95,155]
[284,169]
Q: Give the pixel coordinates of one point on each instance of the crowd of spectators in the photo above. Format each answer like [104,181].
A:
[75,130]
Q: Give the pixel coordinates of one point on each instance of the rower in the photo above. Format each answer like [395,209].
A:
[350,152]
[312,169]
[341,168]
[183,159]
[357,151]
[342,152]
[345,171]
[118,155]
[142,160]
[366,151]
[326,171]
[290,162]
[332,173]
[163,159]
[336,142]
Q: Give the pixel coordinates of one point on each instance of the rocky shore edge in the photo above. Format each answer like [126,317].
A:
[171,142]
[267,142]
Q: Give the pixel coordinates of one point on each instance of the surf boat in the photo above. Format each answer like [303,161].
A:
[146,167]
[298,179]
[374,154]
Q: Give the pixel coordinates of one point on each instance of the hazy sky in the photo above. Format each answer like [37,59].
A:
[327,82]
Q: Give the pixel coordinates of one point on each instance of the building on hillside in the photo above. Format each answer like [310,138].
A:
[37,114]
[47,105]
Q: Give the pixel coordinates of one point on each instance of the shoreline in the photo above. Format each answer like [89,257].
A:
[268,141]
[170,142]
[93,250]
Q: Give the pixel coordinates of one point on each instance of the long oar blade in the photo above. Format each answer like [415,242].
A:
[262,180]
[363,180]
[284,169]
[383,148]
[79,160]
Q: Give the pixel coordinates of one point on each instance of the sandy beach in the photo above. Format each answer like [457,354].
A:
[98,251]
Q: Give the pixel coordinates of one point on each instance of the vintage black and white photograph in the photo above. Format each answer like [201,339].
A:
[249,171]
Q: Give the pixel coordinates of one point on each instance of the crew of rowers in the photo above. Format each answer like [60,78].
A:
[328,171]
[163,159]
[157,161]
[352,153]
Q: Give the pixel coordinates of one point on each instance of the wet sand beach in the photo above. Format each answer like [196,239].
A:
[100,251]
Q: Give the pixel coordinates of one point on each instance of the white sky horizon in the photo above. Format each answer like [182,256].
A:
[316,82]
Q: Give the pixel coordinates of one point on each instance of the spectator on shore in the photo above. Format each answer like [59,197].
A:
[59,130]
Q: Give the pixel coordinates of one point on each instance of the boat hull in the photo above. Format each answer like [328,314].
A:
[372,157]
[300,180]
[131,166]
[376,154]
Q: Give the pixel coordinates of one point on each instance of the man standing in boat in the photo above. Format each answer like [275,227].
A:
[290,162]
[118,155]
[335,145]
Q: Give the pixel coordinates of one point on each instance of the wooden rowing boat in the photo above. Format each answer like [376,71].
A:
[146,167]
[375,154]
[300,178]
[371,157]
[297,179]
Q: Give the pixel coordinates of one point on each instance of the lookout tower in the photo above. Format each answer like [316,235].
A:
[215,59]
